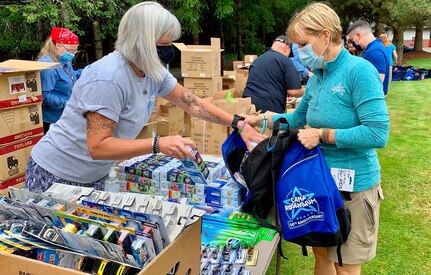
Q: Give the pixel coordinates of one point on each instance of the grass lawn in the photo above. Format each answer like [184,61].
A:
[420,63]
[404,245]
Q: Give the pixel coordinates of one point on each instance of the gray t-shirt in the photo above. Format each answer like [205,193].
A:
[111,88]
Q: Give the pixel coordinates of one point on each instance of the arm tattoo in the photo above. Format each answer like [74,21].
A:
[98,124]
[191,101]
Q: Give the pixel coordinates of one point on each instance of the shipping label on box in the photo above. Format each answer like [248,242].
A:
[203,87]
[200,60]
[208,136]
[20,123]
[14,157]
[20,82]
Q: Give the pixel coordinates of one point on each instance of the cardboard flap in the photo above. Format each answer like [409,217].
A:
[214,47]
[180,46]
[215,44]
[24,65]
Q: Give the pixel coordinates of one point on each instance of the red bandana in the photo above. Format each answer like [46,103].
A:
[65,36]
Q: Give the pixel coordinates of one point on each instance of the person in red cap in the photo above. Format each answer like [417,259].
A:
[61,46]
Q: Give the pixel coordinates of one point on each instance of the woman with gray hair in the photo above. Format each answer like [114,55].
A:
[112,102]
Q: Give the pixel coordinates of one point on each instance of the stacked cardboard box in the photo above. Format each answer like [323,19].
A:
[201,67]
[21,124]
[238,77]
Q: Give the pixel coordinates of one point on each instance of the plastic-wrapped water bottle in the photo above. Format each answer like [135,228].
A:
[112,184]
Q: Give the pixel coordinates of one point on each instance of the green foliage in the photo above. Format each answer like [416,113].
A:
[404,241]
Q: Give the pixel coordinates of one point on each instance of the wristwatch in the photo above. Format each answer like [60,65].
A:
[155,148]
[236,119]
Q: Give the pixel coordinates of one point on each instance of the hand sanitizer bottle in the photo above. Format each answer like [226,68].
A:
[112,184]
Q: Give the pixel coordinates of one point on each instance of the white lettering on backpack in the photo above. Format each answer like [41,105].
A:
[301,207]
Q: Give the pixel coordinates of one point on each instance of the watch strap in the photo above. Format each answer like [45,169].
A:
[236,119]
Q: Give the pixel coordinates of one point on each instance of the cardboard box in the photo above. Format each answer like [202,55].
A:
[187,125]
[200,60]
[208,136]
[241,106]
[17,182]
[240,81]
[237,65]
[229,79]
[20,82]
[19,123]
[183,253]
[170,120]
[148,130]
[14,157]
[203,87]
[249,58]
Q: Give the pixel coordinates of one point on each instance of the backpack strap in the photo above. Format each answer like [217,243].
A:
[346,195]
[304,250]
[340,260]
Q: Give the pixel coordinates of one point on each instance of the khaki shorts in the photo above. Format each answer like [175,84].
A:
[361,243]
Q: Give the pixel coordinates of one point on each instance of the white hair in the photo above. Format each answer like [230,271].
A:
[140,28]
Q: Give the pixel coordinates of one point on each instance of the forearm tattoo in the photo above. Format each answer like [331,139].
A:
[192,102]
[98,124]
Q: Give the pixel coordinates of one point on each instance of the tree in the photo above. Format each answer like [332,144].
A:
[397,14]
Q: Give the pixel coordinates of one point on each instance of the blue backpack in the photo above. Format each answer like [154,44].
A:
[310,208]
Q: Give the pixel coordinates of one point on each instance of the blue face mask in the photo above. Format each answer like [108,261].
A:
[309,58]
[66,57]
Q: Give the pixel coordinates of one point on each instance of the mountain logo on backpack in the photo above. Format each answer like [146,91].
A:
[303,203]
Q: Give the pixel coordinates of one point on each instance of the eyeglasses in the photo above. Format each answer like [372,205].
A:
[70,50]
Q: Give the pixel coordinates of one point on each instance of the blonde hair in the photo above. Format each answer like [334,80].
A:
[313,19]
[140,29]
[49,49]
[385,40]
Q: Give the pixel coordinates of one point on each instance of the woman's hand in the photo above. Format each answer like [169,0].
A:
[309,137]
[175,146]
[254,121]
[249,135]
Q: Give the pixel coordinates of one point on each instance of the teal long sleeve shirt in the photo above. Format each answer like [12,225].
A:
[347,96]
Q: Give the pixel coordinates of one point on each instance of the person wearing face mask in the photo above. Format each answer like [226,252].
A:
[272,77]
[346,113]
[113,100]
[61,46]
[361,36]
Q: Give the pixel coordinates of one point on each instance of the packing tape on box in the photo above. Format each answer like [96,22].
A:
[203,137]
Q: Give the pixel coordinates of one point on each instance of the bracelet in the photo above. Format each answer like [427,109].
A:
[155,148]
[320,134]
[325,135]
[264,123]
[241,127]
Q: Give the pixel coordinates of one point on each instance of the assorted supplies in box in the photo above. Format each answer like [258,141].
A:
[90,230]
[202,180]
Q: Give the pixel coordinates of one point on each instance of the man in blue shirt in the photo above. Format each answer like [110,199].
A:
[272,77]
[361,35]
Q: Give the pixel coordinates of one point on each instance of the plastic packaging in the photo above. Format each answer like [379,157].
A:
[112,184]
